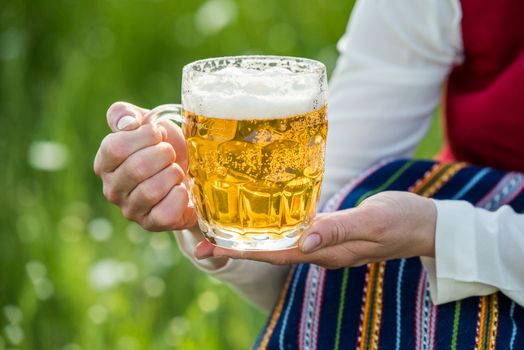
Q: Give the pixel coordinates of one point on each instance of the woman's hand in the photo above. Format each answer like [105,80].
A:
[143,169]
[388,225]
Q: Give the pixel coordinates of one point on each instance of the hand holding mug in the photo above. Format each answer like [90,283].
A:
[388,225]
[143,169]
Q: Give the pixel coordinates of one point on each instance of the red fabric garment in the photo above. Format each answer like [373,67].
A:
[484,101]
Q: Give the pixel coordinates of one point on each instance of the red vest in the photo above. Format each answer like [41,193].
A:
[484,101]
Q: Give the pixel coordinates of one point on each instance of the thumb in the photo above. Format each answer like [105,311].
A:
[332,229]
[124,116]
[204,250]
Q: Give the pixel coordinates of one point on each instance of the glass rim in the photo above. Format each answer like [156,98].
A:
[314,66]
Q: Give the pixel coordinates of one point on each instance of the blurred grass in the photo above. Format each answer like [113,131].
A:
[73,273]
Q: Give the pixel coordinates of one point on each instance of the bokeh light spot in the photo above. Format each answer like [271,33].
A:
[208,301]
[179,326]
[104,274]
[160,241]
[12,44]
[100,229]
[71,228]
[127,343]
[128,272]
[154,286]
[71,346]
[14,334]
[36,270]
[135,234]
[28,228]
[214,15]
[13,314]
[48,156]
[44,289]
[97,313]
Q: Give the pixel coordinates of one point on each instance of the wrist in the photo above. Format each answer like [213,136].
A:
[428,228]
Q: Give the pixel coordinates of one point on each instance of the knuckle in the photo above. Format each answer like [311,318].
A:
[111,195]
[138,169]
[114,147]
[150,192]
[116,105]
[382,219]
[150,133]
[326,263]
[97,166]
[147,225]
[167,150]
[279,261]
[338,232]
[177,173]
[128,213]
[158,221]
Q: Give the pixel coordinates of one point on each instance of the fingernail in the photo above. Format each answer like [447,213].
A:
[126,121]
[310,243]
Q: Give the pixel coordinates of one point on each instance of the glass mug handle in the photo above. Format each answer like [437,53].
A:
[171,112]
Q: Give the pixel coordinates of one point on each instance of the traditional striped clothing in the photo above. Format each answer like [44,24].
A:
[387,305]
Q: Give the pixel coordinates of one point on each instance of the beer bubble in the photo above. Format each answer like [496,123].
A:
[315,156]
[218,129]
[242,157]
[207,156]
[285,159]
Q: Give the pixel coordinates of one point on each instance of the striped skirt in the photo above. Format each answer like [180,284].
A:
[387,305]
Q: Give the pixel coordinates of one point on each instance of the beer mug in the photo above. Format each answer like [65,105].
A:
[255,128]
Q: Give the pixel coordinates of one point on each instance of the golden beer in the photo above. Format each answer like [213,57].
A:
[256,178]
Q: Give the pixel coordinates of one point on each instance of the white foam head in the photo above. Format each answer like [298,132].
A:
[240,93]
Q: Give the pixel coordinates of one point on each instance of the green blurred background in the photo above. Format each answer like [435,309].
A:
[73,273]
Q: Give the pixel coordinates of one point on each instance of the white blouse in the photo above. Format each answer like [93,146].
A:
[394,59]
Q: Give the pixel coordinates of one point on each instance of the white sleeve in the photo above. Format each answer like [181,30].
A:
[478,252]
[258,282]
[394,58]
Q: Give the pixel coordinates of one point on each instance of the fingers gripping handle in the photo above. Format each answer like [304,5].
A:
[171,112]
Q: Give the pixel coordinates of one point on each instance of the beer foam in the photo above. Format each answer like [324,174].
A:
[239,93]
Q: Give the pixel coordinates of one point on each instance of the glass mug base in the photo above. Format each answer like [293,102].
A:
[222,237]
